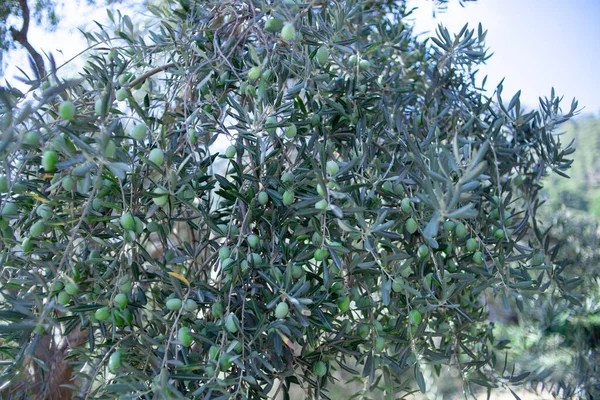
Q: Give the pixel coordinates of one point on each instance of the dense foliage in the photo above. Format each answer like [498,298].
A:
[371,198]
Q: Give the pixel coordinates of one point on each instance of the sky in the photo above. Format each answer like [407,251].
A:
[537,44]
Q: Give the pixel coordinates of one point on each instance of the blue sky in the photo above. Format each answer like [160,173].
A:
[537,44]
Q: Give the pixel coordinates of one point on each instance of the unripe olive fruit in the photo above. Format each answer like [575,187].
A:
[411,225]
[422,251]
[27,245]
[139,225]
[252,241]
[321,205]
[37,229]
[499,233]
[320,254]
[124,78]
[193,135]
[414,317]
[120,300]
[332,167]
[111,149]
[287,177]
[102,314]
[163,198]
[32,138]
[538,259]
[344,304]
[282,310]
[471,245]
[71,288]
[273,25]
[184,336]
[153,226]
[230,323]
[263,198]
[66,110]
[364,65]
[254,258]
[387,186]
[49,160]
[224,362]
[397,286]
[319,369]
[270,125]
[322,55]
[478,258]
[156,156]
[224,252]
[56,286]
[44,211]
[291,131]
[121,94]
[288,198]
[127,221]
[230,152]
[217,310]
[139,132]
[114,361]
[10,208]
[68,183]
[174,304]
[190,305]
[63,298]
[363,330]
[406,205]
[449,226]
[297,271]
[254,73]
[288,32]
[322,191]
[460,230]
[352,60]
[379,344]
[98,106]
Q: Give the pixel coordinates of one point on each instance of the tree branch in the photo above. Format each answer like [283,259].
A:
[20,36]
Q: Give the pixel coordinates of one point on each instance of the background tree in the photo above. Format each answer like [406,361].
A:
[371,198]
[19,15]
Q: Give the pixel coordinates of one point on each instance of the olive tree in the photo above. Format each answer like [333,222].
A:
[253,195]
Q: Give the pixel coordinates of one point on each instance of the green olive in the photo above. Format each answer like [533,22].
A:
[139,132]
[230,152]
[288,32]
[120,300]
[162,198]
[344,304]
[282,310]
[291,131]
[411,225]
[230,323]
[184,336]
[471,245]
[263,198]
[156,156]
[322,55]
[254,73]
[49,160]
[319,369]
[414,317]
[114,361]
[66,110]
[288,198]
[174,304]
